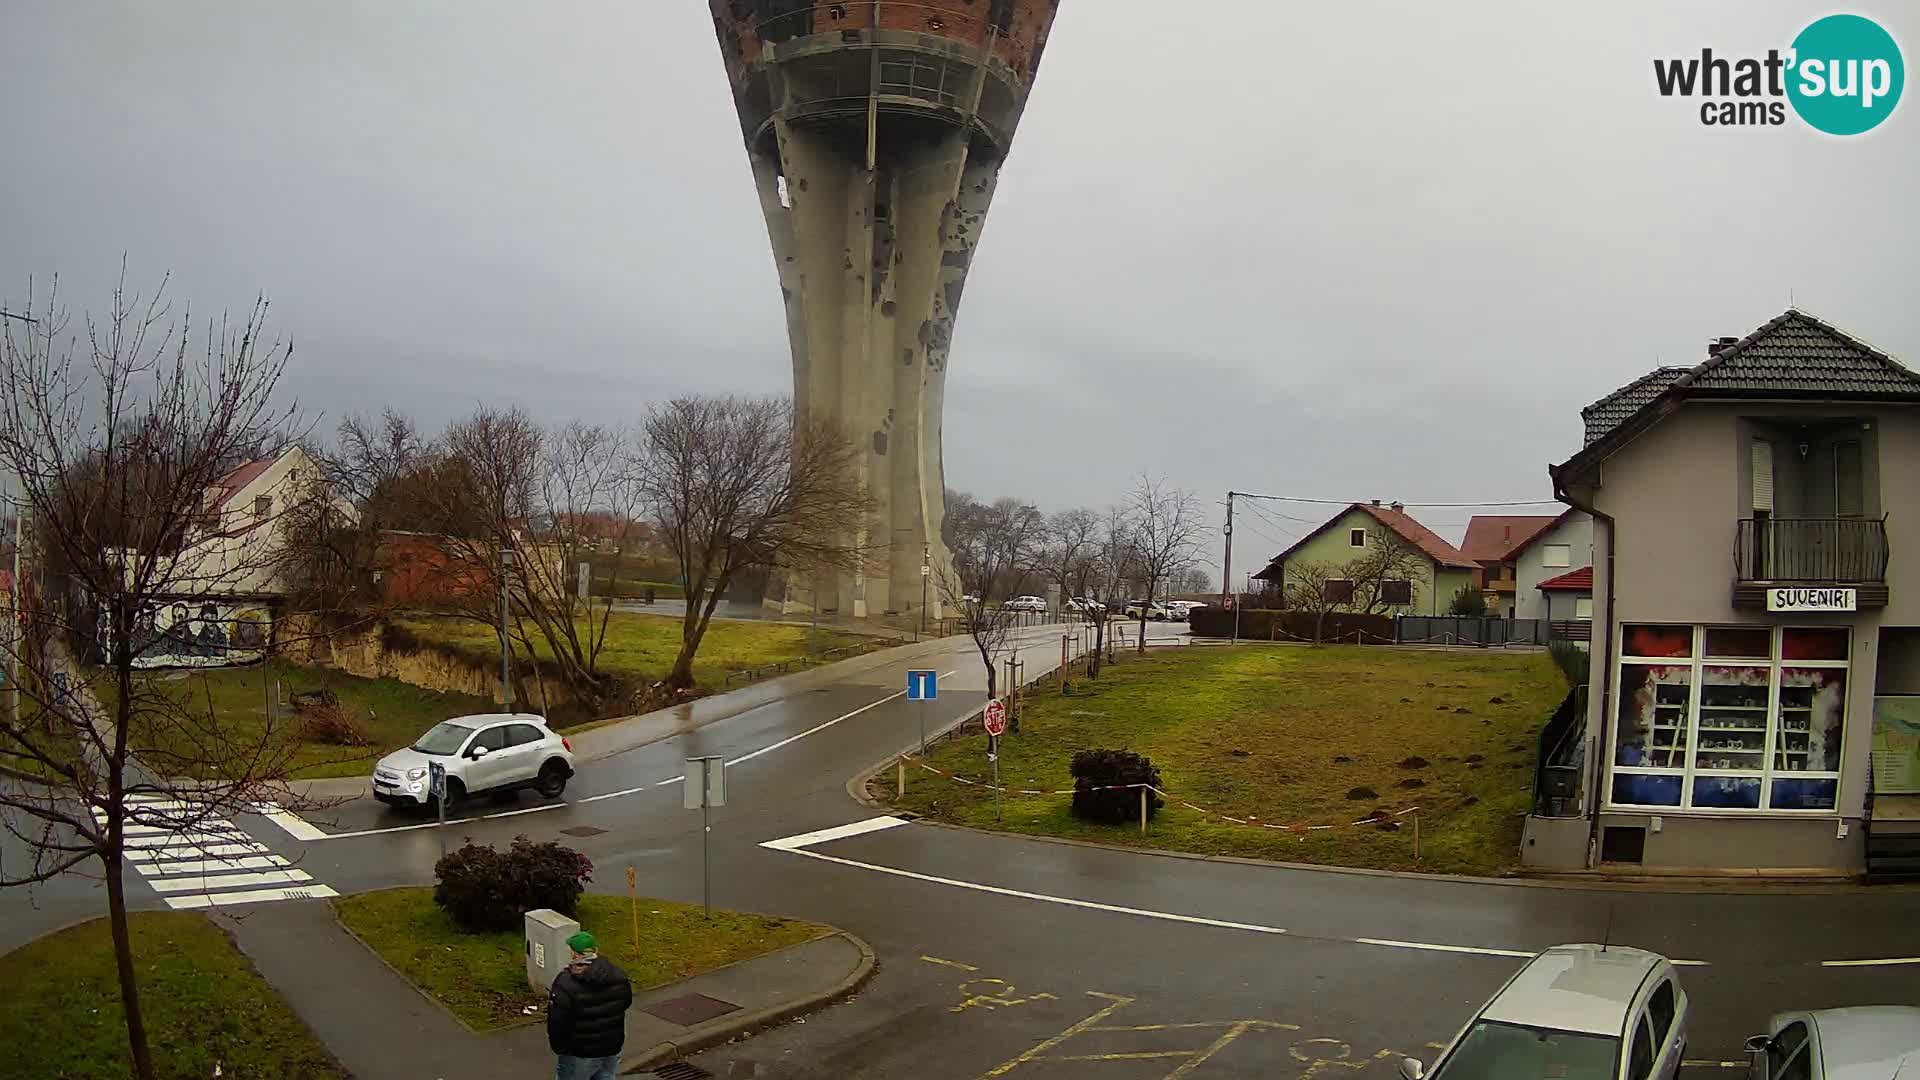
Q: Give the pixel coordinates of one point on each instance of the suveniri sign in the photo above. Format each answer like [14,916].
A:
[1810,600]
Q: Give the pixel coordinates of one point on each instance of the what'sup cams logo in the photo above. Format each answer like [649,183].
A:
[1842,75]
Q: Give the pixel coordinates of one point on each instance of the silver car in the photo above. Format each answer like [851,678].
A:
[1575,1012]
[1870,1042]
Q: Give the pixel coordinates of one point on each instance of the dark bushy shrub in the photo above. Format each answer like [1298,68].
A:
[1104,769]
[1266,624]
[483,889]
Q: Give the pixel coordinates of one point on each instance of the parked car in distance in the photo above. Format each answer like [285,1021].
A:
[1178,610]
[1868,1042]
[1025,603]
[486,752]
[1574,1012]
[1156,610]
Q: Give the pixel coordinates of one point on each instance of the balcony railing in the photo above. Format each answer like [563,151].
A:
[1811,549]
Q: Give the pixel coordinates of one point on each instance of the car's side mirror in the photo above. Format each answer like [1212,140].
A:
[1757,1047]
[477,752]
[1759,1044]
[1411,1069]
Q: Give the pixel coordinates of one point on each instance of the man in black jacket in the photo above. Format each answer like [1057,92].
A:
[586,1017]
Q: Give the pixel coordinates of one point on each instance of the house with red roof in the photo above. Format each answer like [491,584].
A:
[1383,562]
[1489,540]
[1552,572]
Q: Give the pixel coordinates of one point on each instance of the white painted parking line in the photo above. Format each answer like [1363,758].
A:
[1693,1064]
[201,866]
[261,896]
[799,845]
[612,794]
[671,780]
[838,832]
[1890,961]
[296,826]
[203,882]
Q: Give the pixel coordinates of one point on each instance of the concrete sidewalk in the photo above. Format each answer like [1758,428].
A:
[379,1025]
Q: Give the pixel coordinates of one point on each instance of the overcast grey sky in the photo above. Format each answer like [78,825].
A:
[1345,250]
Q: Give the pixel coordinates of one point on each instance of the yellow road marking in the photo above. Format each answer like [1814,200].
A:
[988,1001]
[949,963]
[1218,1045]
[1139,1055]
[1115,1004]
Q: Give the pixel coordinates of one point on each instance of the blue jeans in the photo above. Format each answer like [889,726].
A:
[582,1068]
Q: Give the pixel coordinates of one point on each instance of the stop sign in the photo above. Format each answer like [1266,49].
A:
[996,718]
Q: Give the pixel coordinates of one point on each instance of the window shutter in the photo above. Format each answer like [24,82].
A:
[1763,475]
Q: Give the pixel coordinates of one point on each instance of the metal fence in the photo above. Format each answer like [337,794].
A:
[1483,630]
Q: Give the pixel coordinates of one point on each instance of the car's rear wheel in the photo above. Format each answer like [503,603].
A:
[553,780]
[456,794]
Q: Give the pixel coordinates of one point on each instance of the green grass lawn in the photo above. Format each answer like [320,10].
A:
[1282,735]
[643,647]
[482,977]
[205,1006]
[387,712]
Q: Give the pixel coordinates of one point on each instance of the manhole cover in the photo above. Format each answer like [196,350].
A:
[583,830]
[681,1070]
[691,1009]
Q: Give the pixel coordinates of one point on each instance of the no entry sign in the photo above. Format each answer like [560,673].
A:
[996,718]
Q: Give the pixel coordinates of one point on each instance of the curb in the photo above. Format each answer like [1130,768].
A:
[727,1029]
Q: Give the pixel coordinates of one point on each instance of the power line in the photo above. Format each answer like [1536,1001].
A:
[1430,505]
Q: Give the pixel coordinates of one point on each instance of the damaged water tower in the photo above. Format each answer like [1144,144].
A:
[876,130]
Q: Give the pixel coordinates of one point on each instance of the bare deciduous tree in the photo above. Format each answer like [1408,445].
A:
[1318,588]
[1000,546]
[1072,546]
[1387,574]
[736,484]
[116,432]
[1166,527]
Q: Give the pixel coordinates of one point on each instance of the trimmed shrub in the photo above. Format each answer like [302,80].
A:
[1573,661]
[1468,601]
[482,889]
[1107,769]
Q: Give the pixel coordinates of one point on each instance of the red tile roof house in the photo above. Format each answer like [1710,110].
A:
[1489,539]
[1349,535]
[1546,571]
[1756,634]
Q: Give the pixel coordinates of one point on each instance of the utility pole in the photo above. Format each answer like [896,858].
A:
[1226,561]
[506,584]
[926,571]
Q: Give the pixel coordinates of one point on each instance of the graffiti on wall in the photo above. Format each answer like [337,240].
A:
[200,633]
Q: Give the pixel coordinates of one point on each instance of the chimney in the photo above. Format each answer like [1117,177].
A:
[1399,507]
[1376,502]
[1717,344]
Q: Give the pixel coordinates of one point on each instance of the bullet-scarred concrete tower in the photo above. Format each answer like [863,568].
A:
[876,130]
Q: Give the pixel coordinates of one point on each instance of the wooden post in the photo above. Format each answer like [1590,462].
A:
[900,778]
[1416,836]
[633,904]
[1143,810]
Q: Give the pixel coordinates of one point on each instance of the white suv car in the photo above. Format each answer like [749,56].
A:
[488,752]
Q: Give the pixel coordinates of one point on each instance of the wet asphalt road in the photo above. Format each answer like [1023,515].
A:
[1009,957]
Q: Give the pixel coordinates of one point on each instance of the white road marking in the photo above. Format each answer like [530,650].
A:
[201,866]
[203,882]
[798,845]
[170,839]
[296,826]
[1716,1064]
[1891,961]
[822,727]
[672,780]
[189,851]
[612,794]
[305,892]
[838,832]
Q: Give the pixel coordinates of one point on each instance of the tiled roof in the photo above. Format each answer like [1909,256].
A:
[1490,536]
[1604,415]
[1418,535]
[1580,580]
[1793,355]
[230,484]
[1425,540]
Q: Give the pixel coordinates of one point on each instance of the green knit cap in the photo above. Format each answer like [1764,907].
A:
[581,942]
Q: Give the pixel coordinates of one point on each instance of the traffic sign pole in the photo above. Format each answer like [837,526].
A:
[923,686]
[993,758]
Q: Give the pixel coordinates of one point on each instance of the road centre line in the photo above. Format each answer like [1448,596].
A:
[1891,961]
[822,727]
[799,845]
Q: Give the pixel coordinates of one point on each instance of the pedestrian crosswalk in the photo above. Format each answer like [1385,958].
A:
[194,861]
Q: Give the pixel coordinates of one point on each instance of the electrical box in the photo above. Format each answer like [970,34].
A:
[547,952]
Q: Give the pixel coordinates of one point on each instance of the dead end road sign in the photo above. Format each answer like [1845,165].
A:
[923,685]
